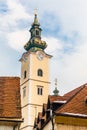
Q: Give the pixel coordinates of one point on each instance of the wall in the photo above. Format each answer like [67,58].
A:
[70,127]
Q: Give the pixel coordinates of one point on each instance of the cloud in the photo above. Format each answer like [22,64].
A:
[53,44]
[15,12]
[9,23]
[70,14]
[70,69]
[17,39]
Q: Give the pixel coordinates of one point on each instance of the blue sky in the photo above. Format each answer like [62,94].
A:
[64,25]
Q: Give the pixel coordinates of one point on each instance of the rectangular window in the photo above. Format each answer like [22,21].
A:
[25,74]
[24,92]
[40,90]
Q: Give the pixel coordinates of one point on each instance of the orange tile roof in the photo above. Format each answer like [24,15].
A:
[10,103]
[53,98]
[72,92]
[76,104]
[73,103]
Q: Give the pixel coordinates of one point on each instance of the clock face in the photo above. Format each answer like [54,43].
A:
[40,55]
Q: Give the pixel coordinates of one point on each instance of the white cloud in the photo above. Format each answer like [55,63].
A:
[71,69]
[9,25]
[71,14]
[53,44]
[15,12]
[17,39]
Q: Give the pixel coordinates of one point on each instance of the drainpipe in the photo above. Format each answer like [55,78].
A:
[51,115]
[14,127]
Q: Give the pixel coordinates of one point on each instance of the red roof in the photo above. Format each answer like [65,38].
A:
[72,92]
[53,98]
[76,105]
[73,103]
[10,101]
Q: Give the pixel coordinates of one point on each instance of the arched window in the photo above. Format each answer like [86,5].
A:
[40,72]
[25,74]
[37,32]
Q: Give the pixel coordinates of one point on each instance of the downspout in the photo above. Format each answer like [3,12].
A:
[14,127]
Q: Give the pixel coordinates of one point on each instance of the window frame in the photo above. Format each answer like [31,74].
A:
[40,72]
[40,90]
[37,33]
[25,74]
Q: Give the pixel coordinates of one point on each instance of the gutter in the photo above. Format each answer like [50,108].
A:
[11,120]
[71,115]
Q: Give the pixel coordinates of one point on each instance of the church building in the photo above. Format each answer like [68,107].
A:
[41,111]
[25,104]
[35,64]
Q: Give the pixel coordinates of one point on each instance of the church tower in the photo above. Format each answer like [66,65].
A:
[34,76]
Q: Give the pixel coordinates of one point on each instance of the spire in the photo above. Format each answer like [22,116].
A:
[56,90]
[36,19]
[35,42]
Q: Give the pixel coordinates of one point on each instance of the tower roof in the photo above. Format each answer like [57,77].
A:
[36,21]
[35,43]
[56,91]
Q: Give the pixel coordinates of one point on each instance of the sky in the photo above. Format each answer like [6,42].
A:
[64,25]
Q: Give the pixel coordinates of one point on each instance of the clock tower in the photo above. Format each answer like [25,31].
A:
[34,76]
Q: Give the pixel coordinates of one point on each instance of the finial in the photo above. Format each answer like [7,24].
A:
[56,90]
[35,18]
[35,12]
[56,82]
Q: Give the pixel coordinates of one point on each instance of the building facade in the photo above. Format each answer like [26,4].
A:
[34,76]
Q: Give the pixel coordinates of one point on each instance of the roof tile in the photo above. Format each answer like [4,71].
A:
[76,103]
[10,103]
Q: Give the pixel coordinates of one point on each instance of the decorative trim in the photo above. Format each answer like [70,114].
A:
[32,105]
[35,80]
[26,127]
